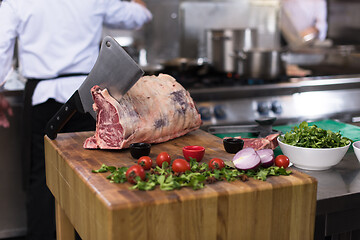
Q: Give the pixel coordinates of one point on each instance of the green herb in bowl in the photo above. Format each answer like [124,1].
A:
[314,137]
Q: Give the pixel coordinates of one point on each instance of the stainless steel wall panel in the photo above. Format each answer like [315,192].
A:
[197,17]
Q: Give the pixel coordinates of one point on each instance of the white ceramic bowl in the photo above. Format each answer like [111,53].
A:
[356,146]
[313,158]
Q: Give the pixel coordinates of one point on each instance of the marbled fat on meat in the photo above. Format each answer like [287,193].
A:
[272,138]
[269,142]
[156,109]
[255,143]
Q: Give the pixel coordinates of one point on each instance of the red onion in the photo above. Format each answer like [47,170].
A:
[266,157]
[246,159]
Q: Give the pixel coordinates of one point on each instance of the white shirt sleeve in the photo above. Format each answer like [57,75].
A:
[304,14]
[320,22]
[8,26]
[126,15]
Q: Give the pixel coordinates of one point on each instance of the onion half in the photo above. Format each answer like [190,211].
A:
[246,159]
[266,157]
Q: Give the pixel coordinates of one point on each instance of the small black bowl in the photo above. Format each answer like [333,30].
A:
[138,150]
[233,145]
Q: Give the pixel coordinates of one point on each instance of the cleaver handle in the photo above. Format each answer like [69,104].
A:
[64,114]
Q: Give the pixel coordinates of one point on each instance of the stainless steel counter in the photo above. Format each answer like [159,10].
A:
[338,199]
[342,180]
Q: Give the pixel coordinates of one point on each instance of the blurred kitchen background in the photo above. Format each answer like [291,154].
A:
[228,54]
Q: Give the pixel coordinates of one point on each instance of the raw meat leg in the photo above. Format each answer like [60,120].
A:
[156,109]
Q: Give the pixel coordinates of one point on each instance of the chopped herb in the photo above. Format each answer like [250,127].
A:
[199,175]
[314,137]
[104,168]
[263,173]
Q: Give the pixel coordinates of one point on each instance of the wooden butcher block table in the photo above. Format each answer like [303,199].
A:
[283,207]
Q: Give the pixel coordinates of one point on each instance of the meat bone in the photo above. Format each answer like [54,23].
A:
[264,128]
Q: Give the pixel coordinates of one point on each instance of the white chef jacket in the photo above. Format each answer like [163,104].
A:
[59,37]
[307,13]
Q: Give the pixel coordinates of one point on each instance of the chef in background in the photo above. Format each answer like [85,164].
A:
[303,21]
[58,46]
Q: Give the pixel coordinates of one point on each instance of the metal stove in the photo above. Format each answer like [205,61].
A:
[234,101]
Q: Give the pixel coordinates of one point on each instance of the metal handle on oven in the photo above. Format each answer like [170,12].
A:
[233,129]
[263,129]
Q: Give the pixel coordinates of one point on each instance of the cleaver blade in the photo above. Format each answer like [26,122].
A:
[114,70]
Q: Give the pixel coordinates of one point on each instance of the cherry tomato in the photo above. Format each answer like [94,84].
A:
[133,171]
[163,157]
[282,161]
[180,165]
[145,162]
[216,163]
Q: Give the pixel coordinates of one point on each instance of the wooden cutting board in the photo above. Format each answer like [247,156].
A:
[282,207]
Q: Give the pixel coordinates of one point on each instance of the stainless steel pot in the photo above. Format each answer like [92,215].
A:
[221,44]
[259,64]
[184,64]
[152,69]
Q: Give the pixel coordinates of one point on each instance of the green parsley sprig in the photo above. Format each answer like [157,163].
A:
[314,137]
[199,175]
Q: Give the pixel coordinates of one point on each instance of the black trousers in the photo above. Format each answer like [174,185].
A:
[40,202]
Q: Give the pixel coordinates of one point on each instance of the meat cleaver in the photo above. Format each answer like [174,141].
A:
[114,69]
